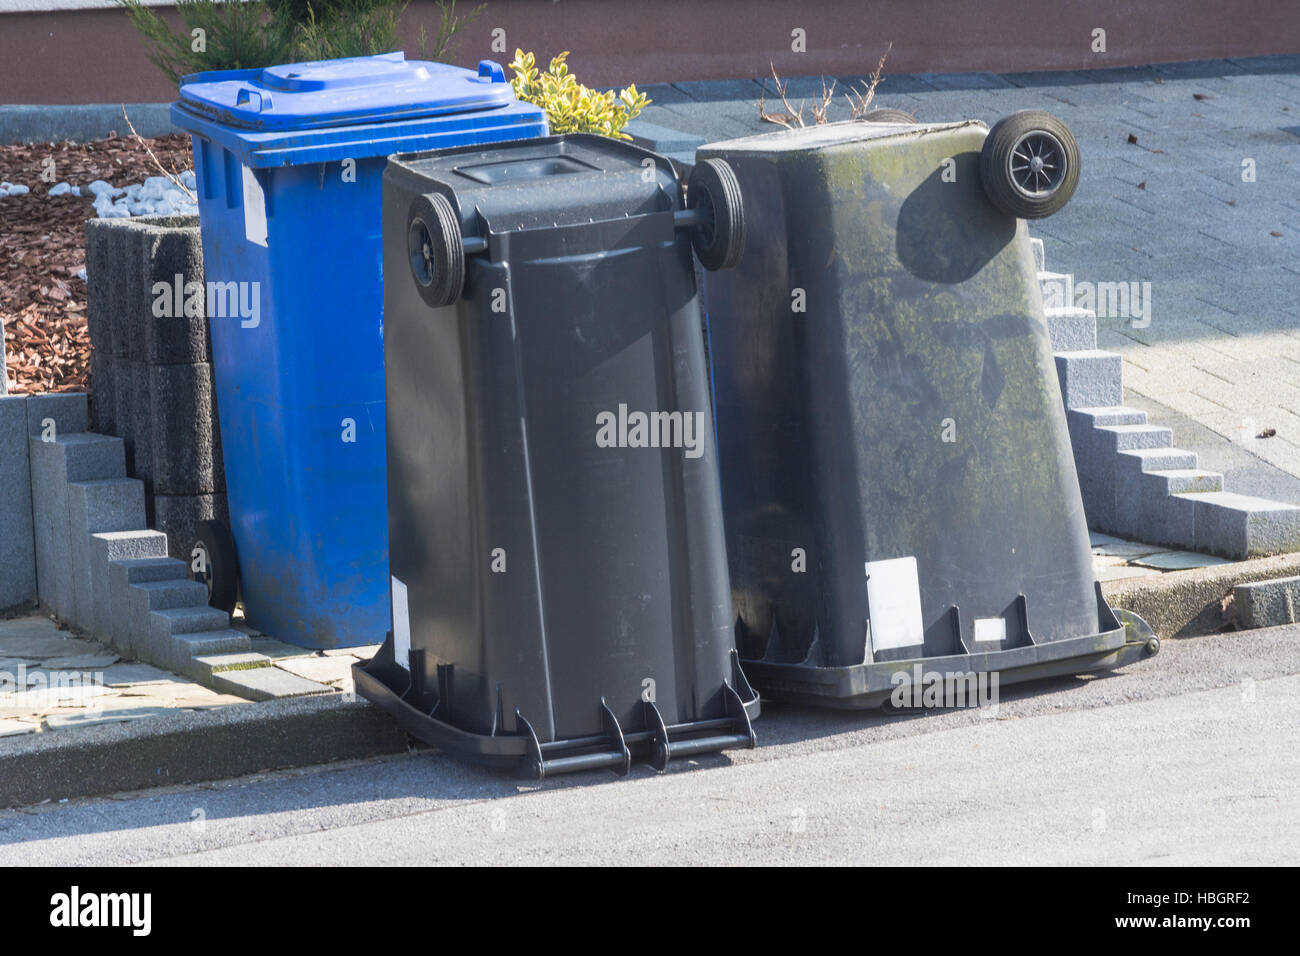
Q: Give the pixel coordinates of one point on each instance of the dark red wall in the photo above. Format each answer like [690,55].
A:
[95,57]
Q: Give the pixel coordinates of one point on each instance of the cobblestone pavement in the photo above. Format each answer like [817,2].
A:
[1190,182]
[53,678]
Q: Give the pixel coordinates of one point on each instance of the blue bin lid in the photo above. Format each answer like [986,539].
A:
[356,90]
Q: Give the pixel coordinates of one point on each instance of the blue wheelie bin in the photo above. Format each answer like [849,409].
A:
[289,163]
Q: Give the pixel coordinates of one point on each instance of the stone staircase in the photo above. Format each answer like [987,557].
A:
[97,564]
[1135,483]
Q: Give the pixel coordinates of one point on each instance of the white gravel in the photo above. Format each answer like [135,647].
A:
[156,196]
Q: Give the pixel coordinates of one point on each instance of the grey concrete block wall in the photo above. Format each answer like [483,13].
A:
[104,237]
[74,529]
[167,623]
[106,549]
[49,417]
[1132,481]
[155,364]
[1244,526]
[49,523]
[1090,378]
[113,278]
[131,381]
[55,466]
[184,647]
[1141,485]
[113,504]
[1072,329]
[1267,603]
[127,623]
[103,375]
[125,260]
[172,256]
[60,414]
[186,455]
[17,545]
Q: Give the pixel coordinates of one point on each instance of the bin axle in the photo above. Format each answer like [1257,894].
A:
[690,218]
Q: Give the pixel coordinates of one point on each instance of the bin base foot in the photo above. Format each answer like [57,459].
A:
[382,682]
[872,684]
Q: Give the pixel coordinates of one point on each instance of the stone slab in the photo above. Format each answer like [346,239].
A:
[266,683]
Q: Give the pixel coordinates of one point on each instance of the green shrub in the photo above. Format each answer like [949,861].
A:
[450,23]
[571,107]
[329,29]
[301,11]
[216,36]
[348,28]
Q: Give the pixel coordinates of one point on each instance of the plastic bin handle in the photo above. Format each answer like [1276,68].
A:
[491,71]
[245,97]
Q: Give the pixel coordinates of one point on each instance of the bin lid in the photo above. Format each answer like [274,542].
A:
[323,93]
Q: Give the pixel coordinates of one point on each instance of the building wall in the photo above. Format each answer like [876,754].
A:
[92,55]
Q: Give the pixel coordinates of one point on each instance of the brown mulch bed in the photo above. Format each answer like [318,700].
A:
[42,248]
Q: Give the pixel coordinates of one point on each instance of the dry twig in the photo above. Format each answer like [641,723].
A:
[820,112]
[859,107]
[171,176]
[791,118]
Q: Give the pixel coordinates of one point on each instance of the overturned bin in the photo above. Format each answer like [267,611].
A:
[559,580]
[899,492]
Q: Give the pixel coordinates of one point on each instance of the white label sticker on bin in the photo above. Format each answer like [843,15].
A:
[991,630]
[254,209]
[401,625]
[894,603]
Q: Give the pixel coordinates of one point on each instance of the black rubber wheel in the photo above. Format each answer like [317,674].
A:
[1030,164]
[436,252]
[887,116]
[720,241]
[213,563]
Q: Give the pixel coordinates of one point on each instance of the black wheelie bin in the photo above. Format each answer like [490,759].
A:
[559,576]
[899,492]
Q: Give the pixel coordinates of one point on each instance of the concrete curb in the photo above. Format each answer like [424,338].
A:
[45,123]
[1187,603]
[192,746]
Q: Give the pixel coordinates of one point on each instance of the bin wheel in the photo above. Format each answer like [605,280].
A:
[213,563]
[720,240]
[1030,164]
[436,251]
[887,116]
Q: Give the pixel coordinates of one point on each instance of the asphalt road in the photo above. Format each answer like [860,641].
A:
[1188,758]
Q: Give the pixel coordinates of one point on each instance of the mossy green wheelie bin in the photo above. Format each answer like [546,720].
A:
[559,579]
[898,486]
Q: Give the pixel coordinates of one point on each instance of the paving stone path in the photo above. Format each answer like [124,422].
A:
[1190,182]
